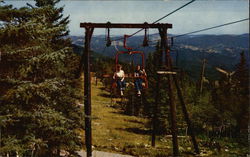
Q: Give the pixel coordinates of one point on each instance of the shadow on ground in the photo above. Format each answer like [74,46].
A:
[141,131]
[103,88]
[134,121]
[105,95]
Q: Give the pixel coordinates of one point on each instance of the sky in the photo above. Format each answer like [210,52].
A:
[198,15]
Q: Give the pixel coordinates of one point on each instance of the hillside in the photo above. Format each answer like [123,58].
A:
[219,51]
[214,43]
[116,131]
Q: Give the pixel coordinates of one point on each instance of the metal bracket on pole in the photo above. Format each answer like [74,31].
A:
[166,72]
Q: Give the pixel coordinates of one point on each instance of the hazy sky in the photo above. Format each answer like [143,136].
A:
[198,15]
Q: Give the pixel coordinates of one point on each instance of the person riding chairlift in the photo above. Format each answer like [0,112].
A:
[138,75]
[119,76]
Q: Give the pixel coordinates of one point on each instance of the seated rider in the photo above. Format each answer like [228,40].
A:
[119,76]
[138,75]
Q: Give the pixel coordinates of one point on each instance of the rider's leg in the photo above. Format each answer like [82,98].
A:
[123,85]
[137,86]
[140,84]
[119,86]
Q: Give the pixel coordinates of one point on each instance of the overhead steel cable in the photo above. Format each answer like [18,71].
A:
[159,19]
[205,29]
[174,11]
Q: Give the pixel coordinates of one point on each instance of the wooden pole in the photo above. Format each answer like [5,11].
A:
[202,75]
[155,116]
[161,45]
[173,118]
[184,110]
[170,94]
[87,91]
[186,116]
[126,25]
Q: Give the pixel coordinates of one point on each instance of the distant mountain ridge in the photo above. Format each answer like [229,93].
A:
[219,50]
[216,42]
[211,41]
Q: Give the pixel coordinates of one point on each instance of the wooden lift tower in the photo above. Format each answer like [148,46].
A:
[85,61]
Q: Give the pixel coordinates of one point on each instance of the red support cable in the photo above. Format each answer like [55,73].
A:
[131,52]
[125,43]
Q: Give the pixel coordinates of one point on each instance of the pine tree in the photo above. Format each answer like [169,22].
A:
[38,94]
[54,17]
[231,100]
[153,64]
[242,75]
[242,87]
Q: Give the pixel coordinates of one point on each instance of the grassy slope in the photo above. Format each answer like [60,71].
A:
[114,131]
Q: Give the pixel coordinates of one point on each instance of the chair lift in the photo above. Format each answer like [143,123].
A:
[130,52]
